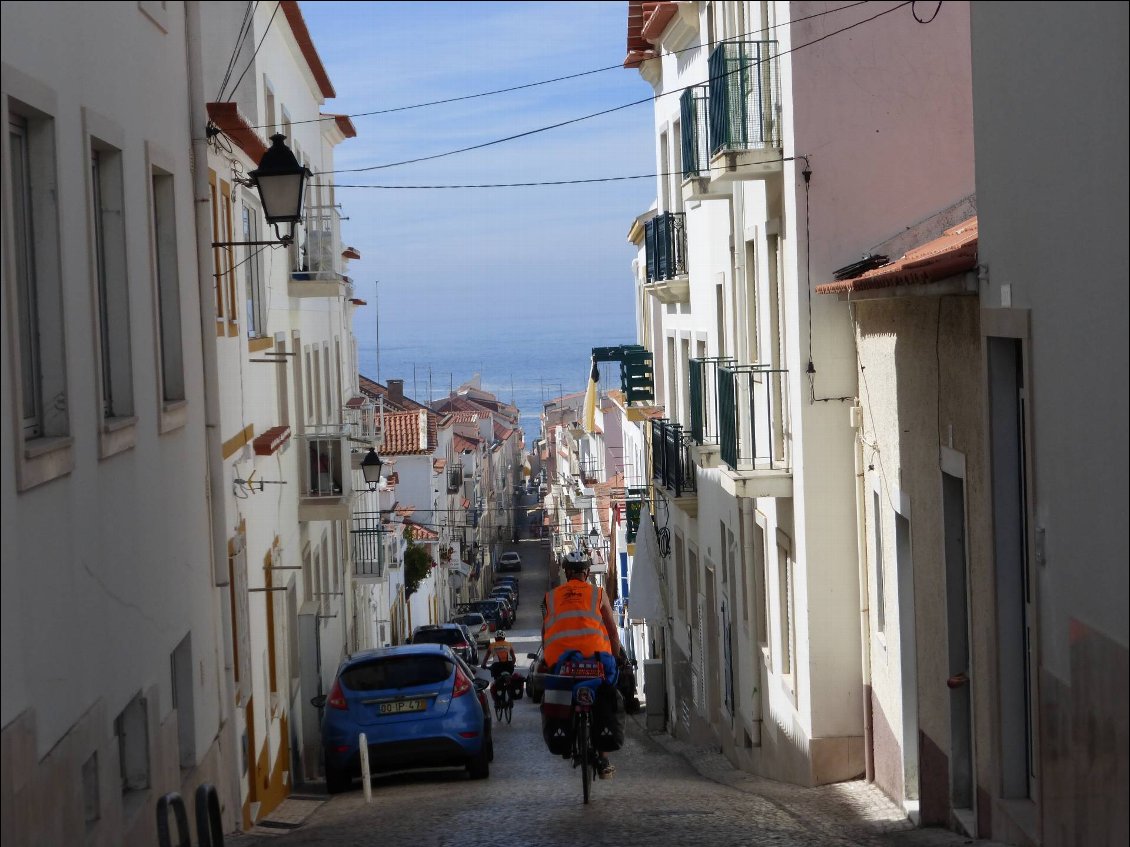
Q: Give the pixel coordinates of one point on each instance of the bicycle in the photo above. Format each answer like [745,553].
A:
[572,690]
[503,698]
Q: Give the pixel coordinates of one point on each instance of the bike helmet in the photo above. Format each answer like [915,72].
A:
[500,636]
[575,562]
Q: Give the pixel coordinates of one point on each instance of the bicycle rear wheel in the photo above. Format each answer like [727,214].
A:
[584,744]
[509,710]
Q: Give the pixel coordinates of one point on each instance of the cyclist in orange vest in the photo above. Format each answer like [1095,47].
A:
[579,617]
[500,656]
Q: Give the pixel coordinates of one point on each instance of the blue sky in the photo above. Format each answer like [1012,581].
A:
[516,260]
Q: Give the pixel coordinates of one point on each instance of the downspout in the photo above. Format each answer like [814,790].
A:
[864,603]
[213,438]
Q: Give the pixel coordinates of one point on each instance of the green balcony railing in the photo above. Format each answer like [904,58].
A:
[665,242]
[693,123]
[671,463]
[704,399]
[753,419]
[745,97]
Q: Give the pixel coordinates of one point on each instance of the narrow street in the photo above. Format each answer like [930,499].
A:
[662,794]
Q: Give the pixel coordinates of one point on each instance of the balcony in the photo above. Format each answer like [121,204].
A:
[326,483]
[672,466]
[315,257]
[703,383]
[744,112]
[362,421]
[588,469]
[454,478]
[665,238]
[367,535]
[754,430]
[695,138]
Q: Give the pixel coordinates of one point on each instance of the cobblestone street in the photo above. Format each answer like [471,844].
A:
[663,793]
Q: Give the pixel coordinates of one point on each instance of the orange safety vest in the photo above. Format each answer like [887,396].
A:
[573,621]
[502,652]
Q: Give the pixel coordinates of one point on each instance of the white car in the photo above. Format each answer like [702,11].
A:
[509,561]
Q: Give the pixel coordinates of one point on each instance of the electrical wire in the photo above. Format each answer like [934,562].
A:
[241,36]
[565,78]
[604,112]
[914,12]
[260,44]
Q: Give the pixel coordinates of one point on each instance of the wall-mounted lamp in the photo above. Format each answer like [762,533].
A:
[281,183]
[371,469]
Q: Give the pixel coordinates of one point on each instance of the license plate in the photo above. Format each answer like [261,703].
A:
[401,706]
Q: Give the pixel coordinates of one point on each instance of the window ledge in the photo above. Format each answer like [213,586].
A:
[119,423]
[42,446]
[259,344]
[117,436]
[174,415]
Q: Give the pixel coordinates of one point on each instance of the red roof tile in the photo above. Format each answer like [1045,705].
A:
[953,253]
[345,127]
[438,465]
[351,253]
[464,444]
[409,433]
[240,130]
[271,440]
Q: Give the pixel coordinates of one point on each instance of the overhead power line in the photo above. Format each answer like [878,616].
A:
[566,78]
[251,61]
[603,112]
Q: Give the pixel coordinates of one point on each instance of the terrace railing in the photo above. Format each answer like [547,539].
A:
[745,97]
[753,417]
[704,399]
[671,462]
[665,238]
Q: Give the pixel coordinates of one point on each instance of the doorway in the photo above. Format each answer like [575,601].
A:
[957,621]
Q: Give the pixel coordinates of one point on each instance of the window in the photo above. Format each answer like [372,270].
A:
[316,390]
[223,258]
[309,382]
[761,572]
[168,287]
[108,218]
[182,680]
[786,590]
[680,575]
[37,347]
[91,795]
[253,273]
[132,730]
[664,181]
[880,577]
[329,415]
[269,108]
[282,390]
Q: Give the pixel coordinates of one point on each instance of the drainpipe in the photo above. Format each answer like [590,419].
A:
[746,505]
[214,465]
[864,603]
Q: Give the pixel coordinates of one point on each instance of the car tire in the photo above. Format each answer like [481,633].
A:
[535,695]
[479,767]
[490,748]
[337,780]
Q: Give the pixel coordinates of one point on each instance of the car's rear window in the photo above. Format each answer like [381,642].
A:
[438,636]
[396,672]
[470,620]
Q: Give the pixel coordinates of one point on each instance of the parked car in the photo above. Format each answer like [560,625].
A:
[477,624]
[419,706]
[474,660]
[512,581]
[535,686]
[451,634]
[509,561]
[506,591]
[489,609]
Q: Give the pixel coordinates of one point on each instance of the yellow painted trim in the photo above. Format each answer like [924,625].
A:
[257,345]
[235,442]
[233,329]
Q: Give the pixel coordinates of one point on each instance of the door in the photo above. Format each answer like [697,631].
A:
[957,620]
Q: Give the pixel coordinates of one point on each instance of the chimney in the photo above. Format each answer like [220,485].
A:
[396,391]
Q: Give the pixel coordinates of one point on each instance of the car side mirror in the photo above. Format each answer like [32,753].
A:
[318,702]
[531,655]
[481,685]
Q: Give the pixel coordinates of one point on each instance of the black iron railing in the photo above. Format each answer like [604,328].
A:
[670,458]
[588,468]
[745,97]
[454,478]
[753,417]
[367,536]
[665,238]
[704,398]
[693,128]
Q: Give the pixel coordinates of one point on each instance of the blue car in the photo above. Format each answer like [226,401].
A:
[418,705]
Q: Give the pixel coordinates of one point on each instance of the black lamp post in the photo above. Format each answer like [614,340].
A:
[281,183]
[371,469]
